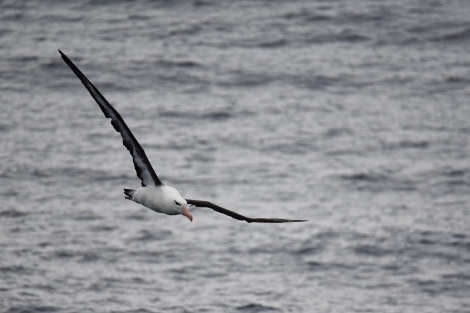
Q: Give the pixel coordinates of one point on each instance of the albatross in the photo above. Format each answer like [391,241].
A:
[153,193]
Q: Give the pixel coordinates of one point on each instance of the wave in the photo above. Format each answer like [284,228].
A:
[139,310]
[216,115]
[317,266]
[71,174]
[379,181]
[33,309]
[16,269]
[365,177]
[178,64]
[152,236]
[407,144]
[12,213]
[256,307]
[307,16]
[458,35]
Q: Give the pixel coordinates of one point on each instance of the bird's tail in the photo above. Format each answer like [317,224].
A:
[129,193]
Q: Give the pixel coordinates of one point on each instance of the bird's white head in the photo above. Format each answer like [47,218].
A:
[183,207]
[181,204]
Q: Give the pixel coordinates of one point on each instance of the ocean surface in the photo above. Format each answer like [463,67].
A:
[354,115]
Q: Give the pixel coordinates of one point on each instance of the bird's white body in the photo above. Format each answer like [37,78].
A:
[162,199]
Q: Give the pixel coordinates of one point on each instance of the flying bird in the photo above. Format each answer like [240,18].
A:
[153,193]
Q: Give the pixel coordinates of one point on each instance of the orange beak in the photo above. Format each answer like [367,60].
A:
[186,213]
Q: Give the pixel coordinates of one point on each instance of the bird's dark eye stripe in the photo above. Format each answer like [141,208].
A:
[177,203]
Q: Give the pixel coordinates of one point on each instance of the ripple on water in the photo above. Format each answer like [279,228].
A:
[256,307]
[12,213]
[33,309]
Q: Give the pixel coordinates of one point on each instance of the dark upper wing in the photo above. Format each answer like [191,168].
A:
[141,163]
[215,207]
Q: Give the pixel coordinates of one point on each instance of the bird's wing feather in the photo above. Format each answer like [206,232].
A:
[235,215]
[142,165]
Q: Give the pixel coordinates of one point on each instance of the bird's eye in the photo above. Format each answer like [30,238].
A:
[177,203]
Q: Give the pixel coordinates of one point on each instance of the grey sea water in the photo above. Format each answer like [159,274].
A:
[354,115]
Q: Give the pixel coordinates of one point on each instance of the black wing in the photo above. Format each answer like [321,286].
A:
[141,163]
[215,207]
